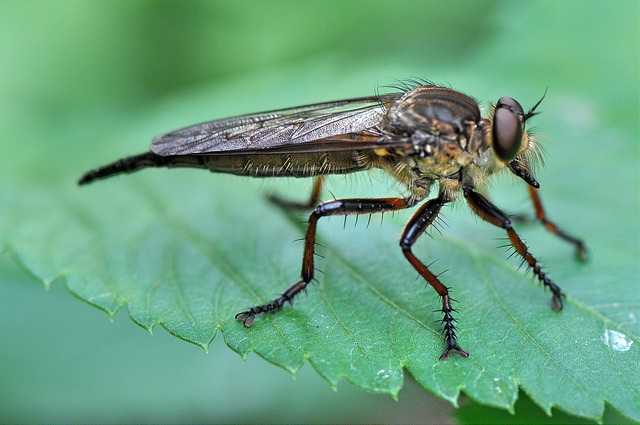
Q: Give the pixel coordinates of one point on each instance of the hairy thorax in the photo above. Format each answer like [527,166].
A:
[449,142]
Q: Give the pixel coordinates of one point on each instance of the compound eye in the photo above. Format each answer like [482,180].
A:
[508,126]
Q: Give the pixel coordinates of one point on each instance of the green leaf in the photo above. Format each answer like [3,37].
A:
[187,250]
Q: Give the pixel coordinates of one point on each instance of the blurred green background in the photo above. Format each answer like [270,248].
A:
[84,82]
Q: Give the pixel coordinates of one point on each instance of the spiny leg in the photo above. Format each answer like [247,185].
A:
[581,249]
[422,219]
[336,207]
[490,213]
[313,201]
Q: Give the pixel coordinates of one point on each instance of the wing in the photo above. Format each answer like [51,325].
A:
[343,125]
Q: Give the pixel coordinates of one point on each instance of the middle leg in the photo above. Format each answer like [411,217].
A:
[337,207]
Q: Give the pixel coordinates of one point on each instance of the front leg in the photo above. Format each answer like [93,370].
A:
[581,249]
[490,213]
[336,207]
[422,219]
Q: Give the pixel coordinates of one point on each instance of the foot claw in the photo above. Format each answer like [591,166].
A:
[247,318]
[455,347]
[581,254]
[556,301]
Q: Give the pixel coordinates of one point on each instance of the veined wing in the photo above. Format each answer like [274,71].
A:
[341,125]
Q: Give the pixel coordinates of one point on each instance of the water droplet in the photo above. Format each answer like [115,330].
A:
[616,341]
[496,385]
[383,374]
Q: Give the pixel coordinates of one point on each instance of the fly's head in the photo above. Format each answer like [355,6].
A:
[511,143]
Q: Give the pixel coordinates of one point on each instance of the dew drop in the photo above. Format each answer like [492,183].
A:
[616,341]
[496,385]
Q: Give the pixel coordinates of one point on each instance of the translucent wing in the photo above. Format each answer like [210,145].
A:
[342,125]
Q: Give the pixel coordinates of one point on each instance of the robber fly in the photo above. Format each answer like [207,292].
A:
[422,135]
